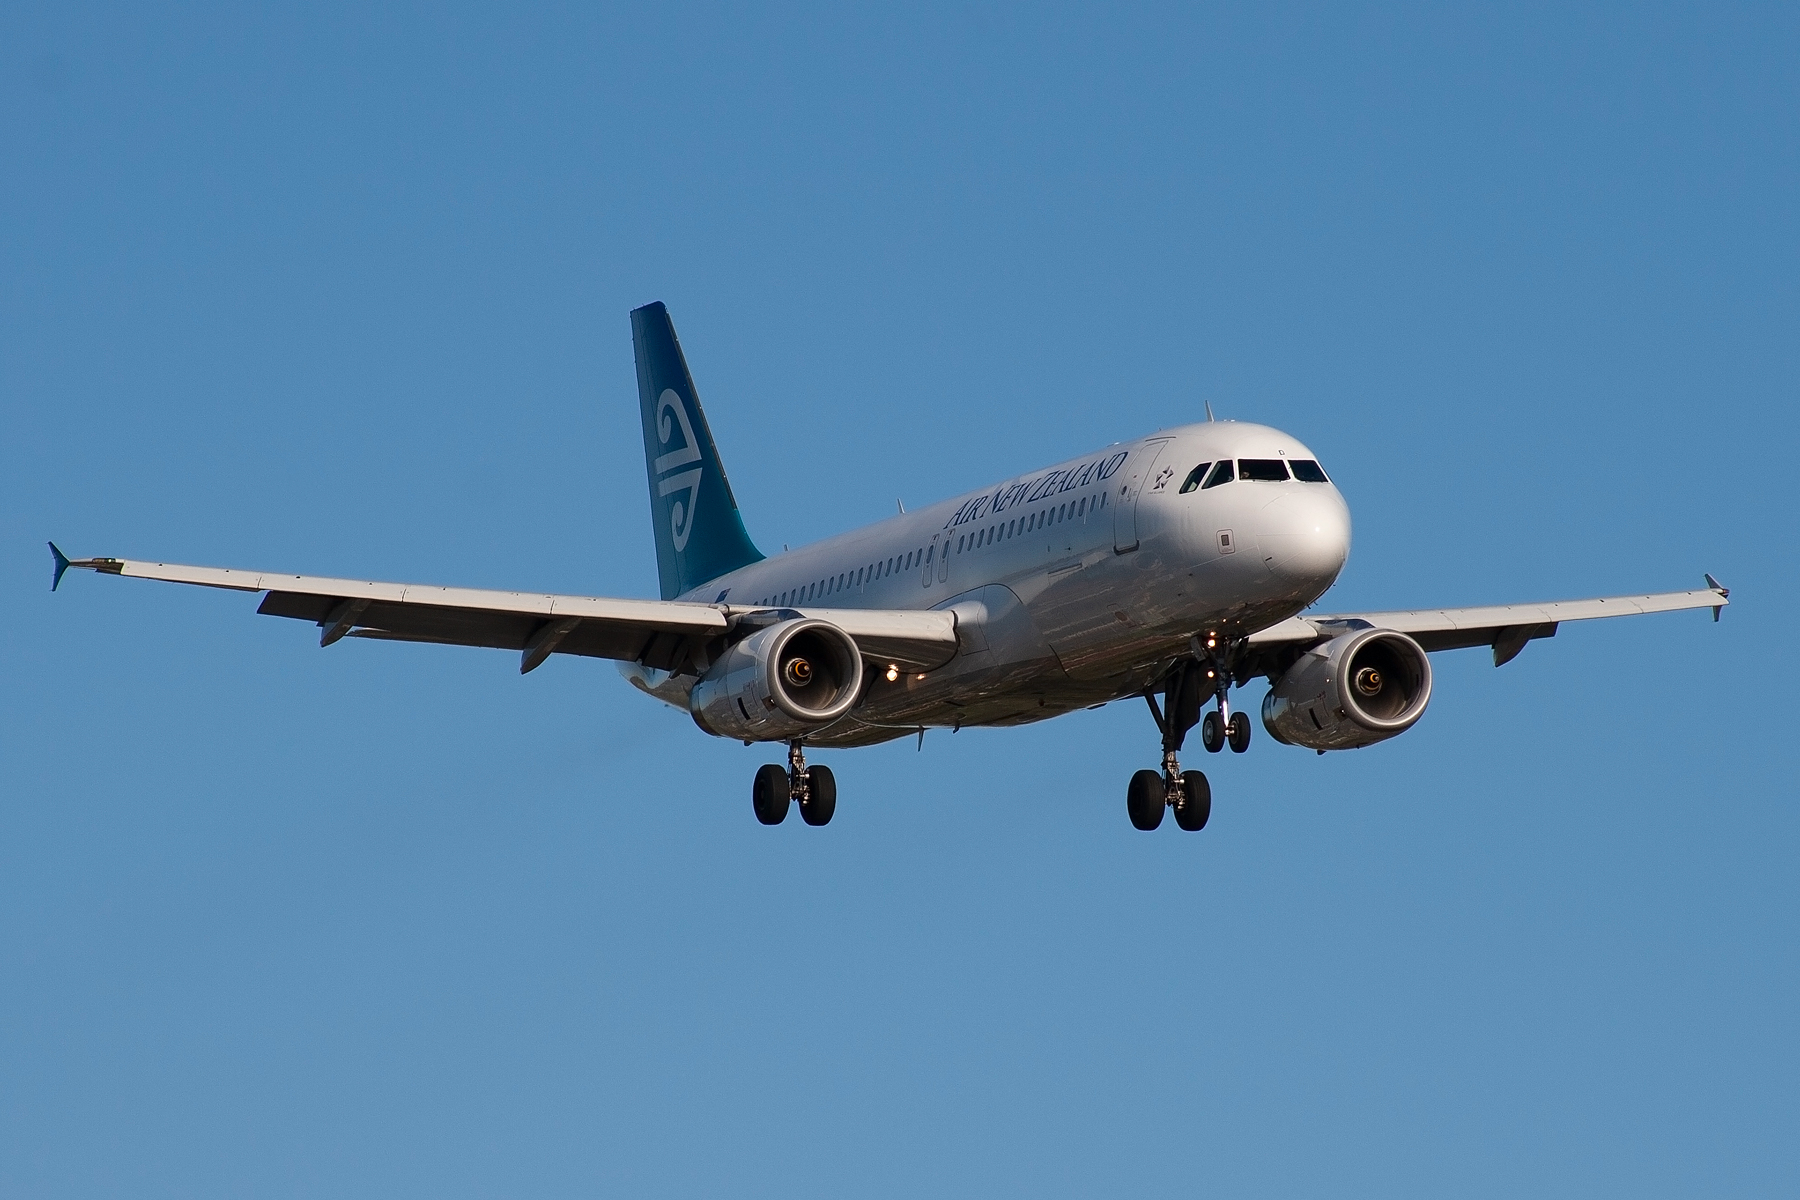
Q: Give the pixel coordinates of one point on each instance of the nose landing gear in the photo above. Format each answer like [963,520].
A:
[1223,727]
[814,788]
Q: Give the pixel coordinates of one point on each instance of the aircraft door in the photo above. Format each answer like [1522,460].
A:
[930,563]
[1136,476]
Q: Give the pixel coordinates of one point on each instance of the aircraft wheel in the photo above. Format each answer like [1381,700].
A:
[1240,732]
[1145,800]
[821,800]
[1212,733]
[1196,802]
[769,794]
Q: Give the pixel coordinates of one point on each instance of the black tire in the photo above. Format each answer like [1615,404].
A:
[1240,732]
[769,794]
[821,800]
[1212,732]
[1145,800]
[1196,802]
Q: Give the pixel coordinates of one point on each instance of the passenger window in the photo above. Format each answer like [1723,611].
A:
[1194,478]
[1264,470]
[1220,474]
[1308,471]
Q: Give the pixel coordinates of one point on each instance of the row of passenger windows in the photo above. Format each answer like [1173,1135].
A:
[1041,519]
[920,557]
[849,579]
[1267,470]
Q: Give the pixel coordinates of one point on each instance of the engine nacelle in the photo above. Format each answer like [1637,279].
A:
[780,682]
[1352,691]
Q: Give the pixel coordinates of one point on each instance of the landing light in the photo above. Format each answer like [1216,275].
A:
[893,672]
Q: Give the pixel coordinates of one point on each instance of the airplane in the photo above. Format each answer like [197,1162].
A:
[1176,566]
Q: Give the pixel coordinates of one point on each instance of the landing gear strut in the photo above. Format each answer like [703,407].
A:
[1223,727]
[814,788]
[1187,792]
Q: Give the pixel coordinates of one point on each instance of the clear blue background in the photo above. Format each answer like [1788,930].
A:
[346,293]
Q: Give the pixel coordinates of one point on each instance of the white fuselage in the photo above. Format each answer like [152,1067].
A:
[1072,585]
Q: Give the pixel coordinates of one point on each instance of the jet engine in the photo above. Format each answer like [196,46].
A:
[780,682]
[1353,691]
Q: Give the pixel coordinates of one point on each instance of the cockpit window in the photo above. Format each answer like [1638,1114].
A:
[1194,478]
[1308,471]
[1221,474]
[1268,470]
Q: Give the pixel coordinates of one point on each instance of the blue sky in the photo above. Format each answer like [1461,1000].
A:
[345,292]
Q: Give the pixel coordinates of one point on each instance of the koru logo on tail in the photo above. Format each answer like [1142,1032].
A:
[681,512]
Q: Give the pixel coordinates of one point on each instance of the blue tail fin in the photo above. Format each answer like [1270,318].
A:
[699,535]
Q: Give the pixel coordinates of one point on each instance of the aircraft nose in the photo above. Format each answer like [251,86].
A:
[1305,535]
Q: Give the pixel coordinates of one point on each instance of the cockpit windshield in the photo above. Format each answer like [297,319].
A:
[1268,470]
[1308,471]
[1220,474]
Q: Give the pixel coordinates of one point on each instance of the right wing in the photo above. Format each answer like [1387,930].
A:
[1505,627]
[670,635]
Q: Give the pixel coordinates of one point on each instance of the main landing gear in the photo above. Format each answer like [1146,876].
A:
[1187,792]
[813,787]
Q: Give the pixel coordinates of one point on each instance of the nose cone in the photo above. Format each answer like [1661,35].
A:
[1305,535]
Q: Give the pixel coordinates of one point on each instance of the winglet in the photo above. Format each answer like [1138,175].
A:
[1724,593]
[62,564]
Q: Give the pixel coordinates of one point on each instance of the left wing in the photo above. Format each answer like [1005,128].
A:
[1505,627]
[670,635]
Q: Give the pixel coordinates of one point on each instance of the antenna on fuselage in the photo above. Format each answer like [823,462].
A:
[1209,415]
